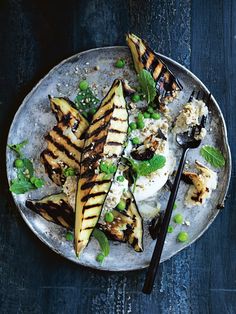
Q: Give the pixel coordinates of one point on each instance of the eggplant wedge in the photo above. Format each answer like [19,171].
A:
[127,225]
[104,142]
[65,141]
[145,58]
[54,208]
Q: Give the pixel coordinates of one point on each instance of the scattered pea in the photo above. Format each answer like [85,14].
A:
[129,130]
[109,217]
[146,115]
[140,116]
[19,163]
[150,109]
[135,141]
[112,168]
[32,179]
[83,85]
[121,205]
[120,178]
[133,126]
[69,236]
[182,236]
[178,218]
[38,183]
[170,229]
[120,63]
[100,258]
[155,116]
[175,206]
[140,124]
[135,98]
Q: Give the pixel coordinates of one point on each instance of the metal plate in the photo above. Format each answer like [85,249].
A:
[34,119]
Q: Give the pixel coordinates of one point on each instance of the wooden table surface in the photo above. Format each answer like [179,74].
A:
[35,36]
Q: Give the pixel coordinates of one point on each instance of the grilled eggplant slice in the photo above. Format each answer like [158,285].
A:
[104,140]
[145,58]
[127,225]
[65,141]
[54,208]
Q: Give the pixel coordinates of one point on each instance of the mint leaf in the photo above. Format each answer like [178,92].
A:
[147,167]
[148,85]
[102,240]
[213,155]
[21,186]
[28,165]
[17,147]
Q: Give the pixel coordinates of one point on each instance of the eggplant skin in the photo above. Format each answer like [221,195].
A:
[127,225]
[65,141]
[54,208]
[145,58]
[104,140]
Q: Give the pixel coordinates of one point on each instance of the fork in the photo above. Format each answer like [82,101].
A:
[186,141]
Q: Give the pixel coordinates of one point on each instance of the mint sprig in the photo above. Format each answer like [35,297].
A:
[213,155]
[25,180]
[147,84]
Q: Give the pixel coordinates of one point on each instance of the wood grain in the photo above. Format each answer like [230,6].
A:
[36,35]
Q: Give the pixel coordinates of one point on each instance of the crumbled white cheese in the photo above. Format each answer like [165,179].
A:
[191,115]
[203,185]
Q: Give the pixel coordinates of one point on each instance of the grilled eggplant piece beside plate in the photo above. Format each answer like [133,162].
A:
[127,225]
[145,58]
[65,141]
[104,141]
[54,208]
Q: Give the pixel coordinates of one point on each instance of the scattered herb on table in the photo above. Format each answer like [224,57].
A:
[213,156]
[147,84]
[25,180]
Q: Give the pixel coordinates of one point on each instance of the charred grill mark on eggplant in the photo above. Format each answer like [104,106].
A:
[87,197]
[60,147]
[91,184]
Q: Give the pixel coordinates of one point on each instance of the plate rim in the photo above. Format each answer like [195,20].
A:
[222,197]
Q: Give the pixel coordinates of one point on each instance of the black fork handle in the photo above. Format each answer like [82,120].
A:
[156,256]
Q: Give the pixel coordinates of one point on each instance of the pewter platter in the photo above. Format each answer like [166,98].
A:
[33,119]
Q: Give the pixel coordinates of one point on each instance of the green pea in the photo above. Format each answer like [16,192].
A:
[19,163]
[104,167]
[69,236]
[150,109]
[133,126]
[109,217]
[155,116]
[129,130]
[120,63]
[178,218]
[146,115]
[140,124]
[120,178]
[112,168]
[121,205]
[83,85]
[135,98]
[182,236]
[32,179]
[135,140]
[175,206]
[38,183]
[140,116]
[170,229]
[100,258]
